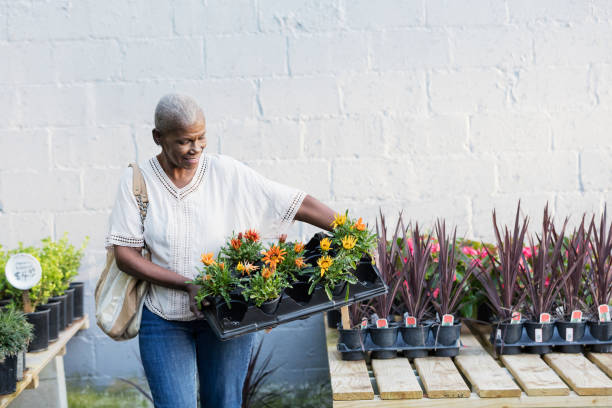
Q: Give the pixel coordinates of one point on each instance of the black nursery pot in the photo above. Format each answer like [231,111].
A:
[383,337]
[270,306]
[5,302]
[40,321]
[69,306]
[352,338]
[54,318]
[510,334]
[230,317]
[299,292]
[547,333]
[79,288]
[601,330]
[63,305]
[416,337]
[446,335]
[333,318]
[8,375]
[578,332]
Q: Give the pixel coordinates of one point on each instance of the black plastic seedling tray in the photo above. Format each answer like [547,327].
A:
[431,345]
[294,304]
[555,341]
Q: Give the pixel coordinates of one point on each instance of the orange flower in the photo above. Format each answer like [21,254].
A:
[240,235]
[298,247]
[274,256]
[208,259]
[299,262]
[236,243]
[251,235]
[221,265]
[267,272]
[206,277]
[360,225]
[246,268]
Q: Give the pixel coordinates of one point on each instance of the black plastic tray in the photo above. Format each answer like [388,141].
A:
[248,318]
[400,345]
[555,340]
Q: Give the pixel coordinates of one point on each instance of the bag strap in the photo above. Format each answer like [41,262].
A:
[140,191]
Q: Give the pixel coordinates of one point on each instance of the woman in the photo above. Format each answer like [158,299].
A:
[195,202]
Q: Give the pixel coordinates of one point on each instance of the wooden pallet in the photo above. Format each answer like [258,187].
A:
[472,379]
[36,362]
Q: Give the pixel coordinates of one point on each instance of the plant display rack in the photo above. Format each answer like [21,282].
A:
[37,361]
[474,378]
[556,340]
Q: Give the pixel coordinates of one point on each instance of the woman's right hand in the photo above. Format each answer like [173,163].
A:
[192,289]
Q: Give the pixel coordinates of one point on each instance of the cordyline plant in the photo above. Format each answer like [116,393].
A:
[450,289]
[575,265]
[600,279]
[499,277]
[257,375]
[387,258]
[357,311]
[415,263]
[542,282]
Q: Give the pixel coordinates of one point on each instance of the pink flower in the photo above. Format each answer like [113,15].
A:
[410,245]
[454,277]
[528,252]
[405,259]
[406,284]
[469,251]
[483,253]
[547,281]
[436,292]
[435,248]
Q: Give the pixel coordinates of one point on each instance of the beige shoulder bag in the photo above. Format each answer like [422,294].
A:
[119,297]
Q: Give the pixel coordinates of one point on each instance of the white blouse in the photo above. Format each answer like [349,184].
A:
[224,196]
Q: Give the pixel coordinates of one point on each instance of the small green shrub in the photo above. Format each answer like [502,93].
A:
[15,332]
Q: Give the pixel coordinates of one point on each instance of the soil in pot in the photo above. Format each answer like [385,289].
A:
[446,335]
[63,300]
[69,306]
[270,306]
[601,330]
[54,318]
[79,288]
[577,332]
[299,292]
[231,317]
[8,375]
[547,333]
[40,321]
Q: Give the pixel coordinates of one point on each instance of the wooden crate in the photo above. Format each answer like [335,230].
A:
[474,378]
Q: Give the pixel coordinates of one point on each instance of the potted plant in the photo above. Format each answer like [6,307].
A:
[542,283]
[570,323]
[450,289]
[15,335]
[333,272]
[383,331]
[243,248]
[600,282]
[5,297]
[500,281]
[265,289]
[415,263]
[352,239]
[216,281]
[353,337]
[294,269]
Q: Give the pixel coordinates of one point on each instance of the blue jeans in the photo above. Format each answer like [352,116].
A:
[175,353]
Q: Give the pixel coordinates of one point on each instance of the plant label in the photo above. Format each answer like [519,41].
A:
[411,321]
[516,318]
[364,323]
[382,323]
[569,334]
[545,318]
[538,335]
[498,334]
[448,320]
[23,271]
[576,316]
[604,313]
[374,318]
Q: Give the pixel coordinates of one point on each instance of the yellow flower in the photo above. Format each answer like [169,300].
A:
[339,219]
[325,262]
[349,242]
[360,225]
[322,272]
[208,259]
[240,267]
[325,244]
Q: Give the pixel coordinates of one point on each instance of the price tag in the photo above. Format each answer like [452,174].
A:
[364,323]
[576,316]
[516,318]
[604,313]
[498,334]
[23,271]
[569,334]
[382,323]
[411,321]
[538,335]
[448,320]
[545,318]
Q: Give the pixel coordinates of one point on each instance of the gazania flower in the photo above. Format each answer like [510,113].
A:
[359,225]
[267,272]
[298,247]
[240,267]
[299,262]
[240,235]
[325,244]
[324,263]
[236,243]
[338,220]
[274,255]
[208,259]
[349,242]
[251,235]
[249,267]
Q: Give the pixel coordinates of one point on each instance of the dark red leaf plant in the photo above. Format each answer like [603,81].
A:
[600,277]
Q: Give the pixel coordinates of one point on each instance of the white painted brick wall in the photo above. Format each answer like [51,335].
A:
[438,107]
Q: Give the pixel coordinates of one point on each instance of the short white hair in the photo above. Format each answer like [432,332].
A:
[176,111]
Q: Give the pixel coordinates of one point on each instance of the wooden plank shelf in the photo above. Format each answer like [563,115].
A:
[36,362]
[474,378]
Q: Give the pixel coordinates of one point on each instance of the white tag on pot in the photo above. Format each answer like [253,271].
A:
[576,316]
[448,320]
[498,334]
[604,313]
[538,335]
[569,334]
[545,318]
[516,318]
[382,323]
[411,321]
[23,271]
[374,318]
[364,323]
